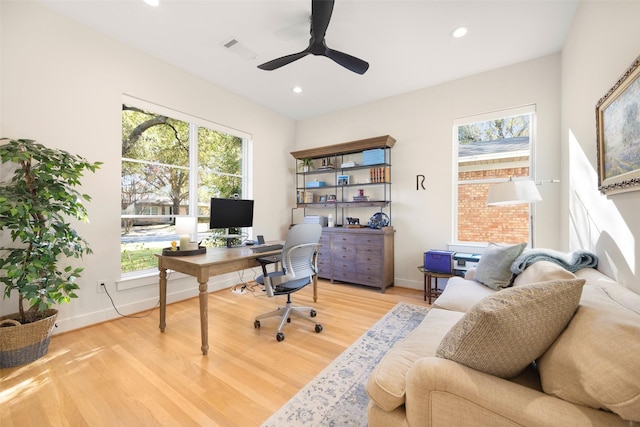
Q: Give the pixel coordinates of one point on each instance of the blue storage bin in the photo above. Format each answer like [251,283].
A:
[315,184]
[373,157]
[438,261]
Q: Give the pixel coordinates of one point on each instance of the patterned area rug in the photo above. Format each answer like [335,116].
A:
[337,396]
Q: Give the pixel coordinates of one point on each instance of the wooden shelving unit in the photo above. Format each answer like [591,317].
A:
[336,155]
[354,255]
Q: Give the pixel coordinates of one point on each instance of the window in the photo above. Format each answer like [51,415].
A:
[491,148]
[172,165]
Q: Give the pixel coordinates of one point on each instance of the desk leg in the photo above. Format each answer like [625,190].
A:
[163,298]
[204,316]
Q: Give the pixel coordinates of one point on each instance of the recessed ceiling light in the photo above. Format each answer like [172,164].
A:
[459,32]
[152,2]
[296,89]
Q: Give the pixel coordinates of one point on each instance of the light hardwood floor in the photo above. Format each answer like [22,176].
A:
[127,373]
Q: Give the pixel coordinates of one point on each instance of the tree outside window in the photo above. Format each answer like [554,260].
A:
[170,167]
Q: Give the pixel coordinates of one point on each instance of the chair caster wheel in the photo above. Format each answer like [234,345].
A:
[312,313]
[280,336]
[256,324]
[318,328]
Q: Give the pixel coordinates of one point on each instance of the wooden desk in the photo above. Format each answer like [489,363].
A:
[215,261]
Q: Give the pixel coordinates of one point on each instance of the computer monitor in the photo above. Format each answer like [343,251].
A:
[230,213]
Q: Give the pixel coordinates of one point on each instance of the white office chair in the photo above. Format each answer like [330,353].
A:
[299,267]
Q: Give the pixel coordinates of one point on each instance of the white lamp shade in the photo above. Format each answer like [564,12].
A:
[512,193]
[185,224]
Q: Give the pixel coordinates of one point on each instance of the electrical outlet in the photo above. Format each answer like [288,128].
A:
[102,286]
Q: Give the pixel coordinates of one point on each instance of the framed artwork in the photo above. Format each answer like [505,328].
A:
[343,179]
[618,134]
[323,199]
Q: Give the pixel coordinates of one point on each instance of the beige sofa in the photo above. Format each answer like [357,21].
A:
[586,374]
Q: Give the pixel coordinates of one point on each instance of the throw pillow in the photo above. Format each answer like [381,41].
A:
[504,332]
[595,361]
[461,294]
[494,267]
[542,271]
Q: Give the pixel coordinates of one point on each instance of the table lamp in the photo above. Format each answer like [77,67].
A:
[185,226]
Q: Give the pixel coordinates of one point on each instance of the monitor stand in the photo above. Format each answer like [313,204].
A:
[229,237]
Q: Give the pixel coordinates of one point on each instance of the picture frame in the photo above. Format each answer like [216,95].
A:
[343,180]
[618,134]
[323,199]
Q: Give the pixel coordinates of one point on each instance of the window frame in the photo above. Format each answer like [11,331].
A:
[529,109]
[193,167]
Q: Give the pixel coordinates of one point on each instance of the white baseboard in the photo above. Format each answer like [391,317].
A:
[406,283]
[135,308]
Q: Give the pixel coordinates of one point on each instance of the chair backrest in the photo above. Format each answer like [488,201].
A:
[300,261]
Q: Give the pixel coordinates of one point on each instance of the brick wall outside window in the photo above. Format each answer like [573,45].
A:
[478,222]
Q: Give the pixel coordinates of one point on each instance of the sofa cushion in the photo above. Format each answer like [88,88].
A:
[503,333]
[542,271]
[595,362]
[387,383]
[461,294]
[493,269]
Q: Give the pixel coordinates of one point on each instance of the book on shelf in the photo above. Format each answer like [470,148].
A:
[379,175]
[304,196]
[308,196]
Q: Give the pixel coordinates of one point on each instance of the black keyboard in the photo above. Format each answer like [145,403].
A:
[266,248]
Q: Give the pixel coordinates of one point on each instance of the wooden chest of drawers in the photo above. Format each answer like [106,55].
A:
[357,255]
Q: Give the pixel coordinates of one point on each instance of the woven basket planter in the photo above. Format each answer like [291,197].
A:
[21,344]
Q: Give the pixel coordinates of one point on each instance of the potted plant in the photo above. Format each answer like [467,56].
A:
[35,200]
[306,164]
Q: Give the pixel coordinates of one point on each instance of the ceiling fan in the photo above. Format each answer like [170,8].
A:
[321,11]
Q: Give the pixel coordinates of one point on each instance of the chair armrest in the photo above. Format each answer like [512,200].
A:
[443,392]
[287,257]
[271,281]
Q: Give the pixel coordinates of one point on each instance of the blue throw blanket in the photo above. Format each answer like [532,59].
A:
[572,261]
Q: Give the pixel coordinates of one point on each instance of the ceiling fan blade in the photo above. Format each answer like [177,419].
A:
[349,62]
[321,11]
[279,62]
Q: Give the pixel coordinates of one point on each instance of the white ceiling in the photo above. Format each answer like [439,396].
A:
[406,42]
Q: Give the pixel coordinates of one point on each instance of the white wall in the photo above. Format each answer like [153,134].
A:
[603,42]
[62,84]
[422,123]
